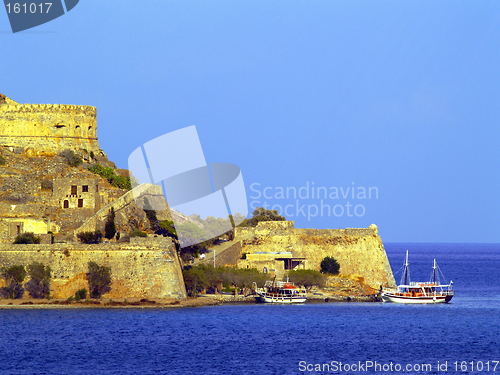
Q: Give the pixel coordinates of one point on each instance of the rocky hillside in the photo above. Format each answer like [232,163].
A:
[27,189]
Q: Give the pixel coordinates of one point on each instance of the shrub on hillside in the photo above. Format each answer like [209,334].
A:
[2,160]
[330,265]
[90,237]
[47,184]
[39,285]
[261,214]
[167,229]
[71,158]
[99,278]
[138,233]
[192,233]
[13,276]
[109,174]
[27,238]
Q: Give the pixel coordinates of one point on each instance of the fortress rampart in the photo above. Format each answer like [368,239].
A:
[144,268]
[47,127]
[279,247]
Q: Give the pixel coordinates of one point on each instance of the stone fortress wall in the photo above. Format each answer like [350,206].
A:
[144,268]
[279,248]
[47,127]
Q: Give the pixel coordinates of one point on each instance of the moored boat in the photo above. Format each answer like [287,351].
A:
[419,292]
[280,292]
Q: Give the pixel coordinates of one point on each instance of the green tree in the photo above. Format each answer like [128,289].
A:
[80,294]
[27,238]
[110,226]
[99,278]
[13,276]
[195,279]
[39,285]
[330,265]
[307,278]
[2,160]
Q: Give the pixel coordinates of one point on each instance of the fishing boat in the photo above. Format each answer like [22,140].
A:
[419,292]
[280,292]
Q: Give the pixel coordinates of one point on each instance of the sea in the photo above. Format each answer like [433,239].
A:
[349,338]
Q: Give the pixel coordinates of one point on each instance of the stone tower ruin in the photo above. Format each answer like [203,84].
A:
[47,127]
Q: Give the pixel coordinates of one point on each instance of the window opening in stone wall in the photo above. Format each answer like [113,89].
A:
[66,204]
[85,189]
[80,202]
[97,188]
[73,190]
[18,229]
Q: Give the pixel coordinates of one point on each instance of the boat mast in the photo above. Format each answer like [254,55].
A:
[434,268]
[406,268]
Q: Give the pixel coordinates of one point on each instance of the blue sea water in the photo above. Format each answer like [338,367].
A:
[460,337]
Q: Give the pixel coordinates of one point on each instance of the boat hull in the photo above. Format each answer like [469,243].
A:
[269,299]
[387,297]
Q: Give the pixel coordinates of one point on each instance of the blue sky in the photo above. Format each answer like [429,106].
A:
[398,96]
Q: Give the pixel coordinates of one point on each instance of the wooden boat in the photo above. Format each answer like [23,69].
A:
[419,292]
[280,292]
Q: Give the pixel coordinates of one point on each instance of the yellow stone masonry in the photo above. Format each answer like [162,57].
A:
[279,247]
[47,127]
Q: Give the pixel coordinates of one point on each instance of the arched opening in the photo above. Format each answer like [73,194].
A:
[66,204]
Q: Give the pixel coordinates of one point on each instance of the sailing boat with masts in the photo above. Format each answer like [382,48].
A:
[419,292]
